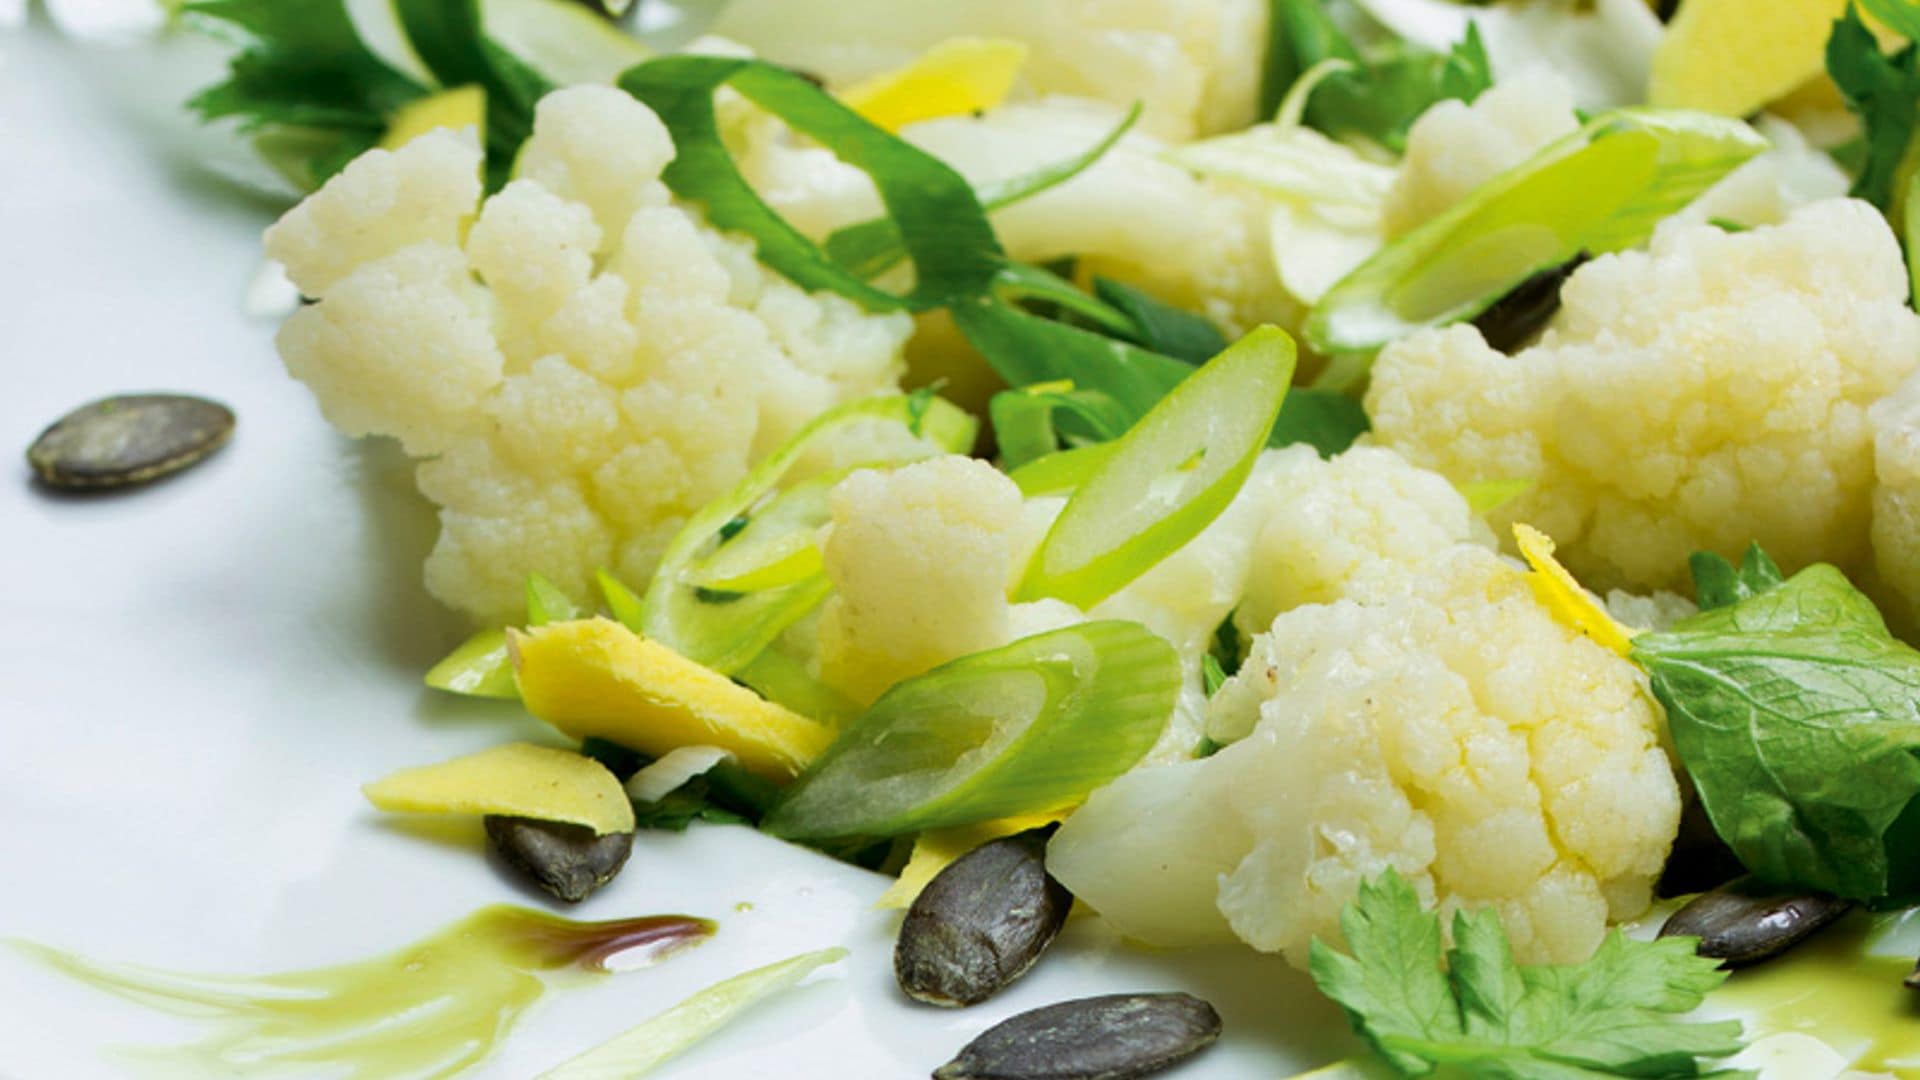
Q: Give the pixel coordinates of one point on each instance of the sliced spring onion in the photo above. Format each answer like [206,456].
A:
[1600,189]
[1485,496]
[1327,420]
[666,774]
[1910,231]
[623,603]
[1168,477]
[1062,471]
[1023,419]
[942,224]
[1021,729]
[645,1048]
[1024,349]
[785,681]
[1160,326]
[871,248]
[698,603]
[546,603]
[563,40]
[480,667]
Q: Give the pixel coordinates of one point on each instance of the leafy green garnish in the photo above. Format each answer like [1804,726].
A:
[873,247]
[1381,96]
[942,225]
[302,77]
[1717,582]
[1798,717]
[1883,89]
[1023,419]
[1158,325]
[1484,1016]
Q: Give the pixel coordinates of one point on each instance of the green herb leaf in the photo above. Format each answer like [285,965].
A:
[1716,582]
[1484,1016]
[871,248]
[1381,97]
[1031,726]
[1798,716]
[1326,420]
[942,224]
[1884,91]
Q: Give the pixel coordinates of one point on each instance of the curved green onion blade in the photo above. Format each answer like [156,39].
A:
[480,667]
[1168,477]
[1025,349]
[1601,189]
[624,604]
[942,224]
[1160,326]
[725,628]
[645,1048]
[1031,726]
[1061,472]
[546,603]
[871,248]
[1023,419]
[784,680]
[563,40]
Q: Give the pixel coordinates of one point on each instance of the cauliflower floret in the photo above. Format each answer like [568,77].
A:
[1365,513]
[1702,395]
[1455,147]
[589,366]
[1765,191]
[1896,500]
[918,559]
[1200,57]
[1444,724]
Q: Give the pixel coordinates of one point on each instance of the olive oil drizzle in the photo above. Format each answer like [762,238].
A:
[1834,989]
[429,1009]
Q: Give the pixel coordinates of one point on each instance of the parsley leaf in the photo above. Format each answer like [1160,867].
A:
[1482,1015]
[1883,89]
[1384,93]
[1798,716]
[1716,583]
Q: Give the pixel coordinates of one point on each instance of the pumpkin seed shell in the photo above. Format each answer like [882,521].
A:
[1113,1037]
[129,439]
[566,860]
[981,922]
[1744,922]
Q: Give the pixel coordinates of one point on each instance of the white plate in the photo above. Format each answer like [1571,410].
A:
[198,676]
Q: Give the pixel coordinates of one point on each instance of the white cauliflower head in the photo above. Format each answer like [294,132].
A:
[1707,393]
[1444,724]
[583,361]
[1455,147]
[918,559]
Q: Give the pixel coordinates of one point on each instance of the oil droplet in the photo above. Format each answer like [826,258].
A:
[429,1009]
[1833,989]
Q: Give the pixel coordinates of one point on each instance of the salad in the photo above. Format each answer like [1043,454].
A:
[1427,490]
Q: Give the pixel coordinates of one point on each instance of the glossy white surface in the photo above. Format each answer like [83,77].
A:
[198,676]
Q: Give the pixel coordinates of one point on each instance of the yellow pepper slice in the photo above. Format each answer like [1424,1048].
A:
[518,779]
[593,677]
[958,76]
[1563,596]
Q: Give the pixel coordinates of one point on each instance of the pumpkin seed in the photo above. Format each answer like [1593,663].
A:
[1113,1037]
[1744,922]
[128,439]
[981,922]
[1515,318]
[566,860]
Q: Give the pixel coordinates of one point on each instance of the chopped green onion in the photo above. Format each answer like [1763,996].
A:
[785,681]
[1024,349]
[1061,472]
[1486,496]
[1168,477]
[624,603]
[1911,232]
[1023,419]
[1327,420]
[1167,330]
[942,224]
[724,628]
[871,248]
[1024,281]
[645,1048]
[1031,726]
[1600,189]
[546,603]
[480,667]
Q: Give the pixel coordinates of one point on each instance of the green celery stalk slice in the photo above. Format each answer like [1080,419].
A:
[1030,726]
[479,667]
[1168,477]
[725,630]
[640,1050]
[1600,189]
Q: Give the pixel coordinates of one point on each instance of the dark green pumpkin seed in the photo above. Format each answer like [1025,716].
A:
[1744,922]
[566,860]
[130,439]
[981,922]
[1114,1037]
[1515,318]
